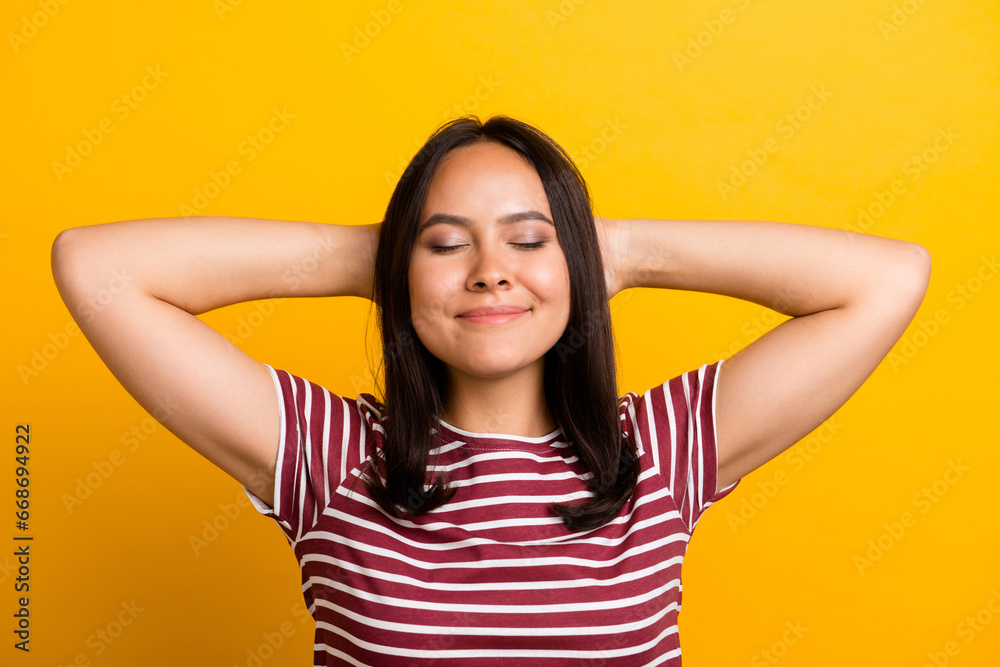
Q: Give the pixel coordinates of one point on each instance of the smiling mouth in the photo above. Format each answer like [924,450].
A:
[493,318]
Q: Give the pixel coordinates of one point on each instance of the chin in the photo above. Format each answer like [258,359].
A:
[492,369]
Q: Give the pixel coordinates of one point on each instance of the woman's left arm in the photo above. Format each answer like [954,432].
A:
[850,296]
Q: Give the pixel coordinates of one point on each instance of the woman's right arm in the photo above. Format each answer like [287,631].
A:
[135,287]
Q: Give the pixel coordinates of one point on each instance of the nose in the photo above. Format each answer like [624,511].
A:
[489,271]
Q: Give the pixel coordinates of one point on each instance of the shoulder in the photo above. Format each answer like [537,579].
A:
[305,399]
[372,411]
[690,395]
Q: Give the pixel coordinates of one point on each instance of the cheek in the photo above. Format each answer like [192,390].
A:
[565,295]
[428,298]
[418,302]
[554,281]
[421,284]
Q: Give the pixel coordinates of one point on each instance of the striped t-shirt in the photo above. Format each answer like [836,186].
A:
[493,577]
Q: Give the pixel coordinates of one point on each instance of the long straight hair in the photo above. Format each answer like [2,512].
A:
[580,382]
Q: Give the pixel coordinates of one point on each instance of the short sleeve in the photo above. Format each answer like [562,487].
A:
[674,423]
[319,431]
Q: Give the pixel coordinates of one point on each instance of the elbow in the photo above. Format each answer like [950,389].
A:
[63,239]
[58,257]
[918,267]
[65,260]
[60,252]
[909,277]
[899,280]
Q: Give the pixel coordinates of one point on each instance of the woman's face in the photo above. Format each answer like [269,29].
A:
[490,242]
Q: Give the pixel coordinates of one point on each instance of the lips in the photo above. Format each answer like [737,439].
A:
[493,310]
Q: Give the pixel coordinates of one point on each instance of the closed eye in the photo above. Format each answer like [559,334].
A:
[442,249]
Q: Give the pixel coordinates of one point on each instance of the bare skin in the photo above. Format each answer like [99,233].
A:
[495,370]
[850,297]
[221,401]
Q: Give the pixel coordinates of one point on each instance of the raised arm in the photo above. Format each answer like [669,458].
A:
[134,288]
[850,295]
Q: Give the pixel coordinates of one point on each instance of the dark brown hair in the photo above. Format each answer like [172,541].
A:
[580,379]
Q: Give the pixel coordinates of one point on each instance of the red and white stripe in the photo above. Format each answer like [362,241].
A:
[493,577]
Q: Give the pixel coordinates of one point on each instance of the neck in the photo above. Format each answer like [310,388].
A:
[512,405]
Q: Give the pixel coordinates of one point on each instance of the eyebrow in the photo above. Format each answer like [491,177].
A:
[509,219]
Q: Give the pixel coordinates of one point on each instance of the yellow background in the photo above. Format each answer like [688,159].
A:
[692,90]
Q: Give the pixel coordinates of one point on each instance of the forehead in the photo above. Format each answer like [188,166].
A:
[484,176]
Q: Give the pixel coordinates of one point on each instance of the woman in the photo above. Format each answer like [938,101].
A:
[501,504]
